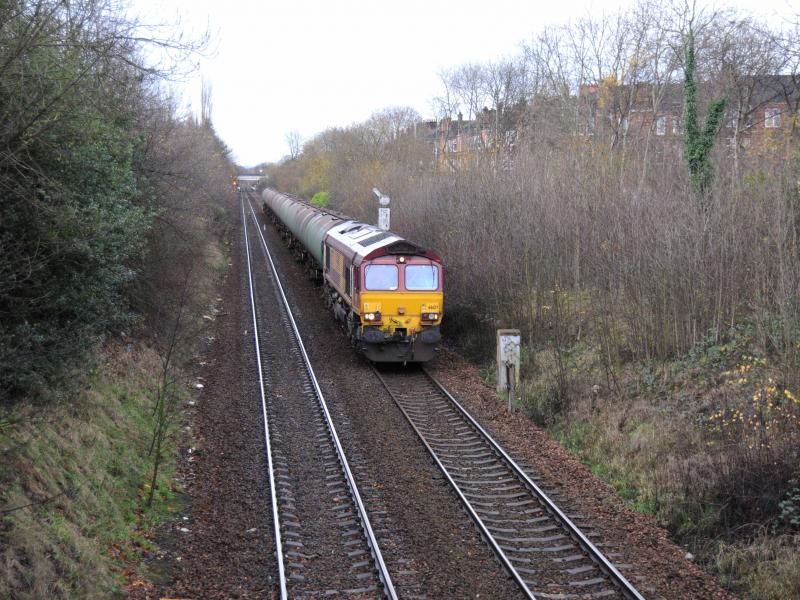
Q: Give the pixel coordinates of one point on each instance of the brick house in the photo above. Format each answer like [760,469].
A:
[758,109]
[458,143]
[760,112]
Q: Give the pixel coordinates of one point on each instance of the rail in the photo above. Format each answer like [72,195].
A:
[508,507]
[372,541]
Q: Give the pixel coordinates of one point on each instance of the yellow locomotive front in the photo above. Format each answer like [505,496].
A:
[385,291]
[400,307]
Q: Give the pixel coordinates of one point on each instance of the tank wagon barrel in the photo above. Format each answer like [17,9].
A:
[307,223]
[385,291]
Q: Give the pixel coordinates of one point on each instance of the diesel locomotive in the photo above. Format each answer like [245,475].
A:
[386,292]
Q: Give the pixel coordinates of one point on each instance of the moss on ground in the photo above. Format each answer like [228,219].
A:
[74,480]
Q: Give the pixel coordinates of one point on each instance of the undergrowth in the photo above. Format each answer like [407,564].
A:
[708,442]
[74,480]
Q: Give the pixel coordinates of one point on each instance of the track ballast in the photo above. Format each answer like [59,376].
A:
[325,544]
[541,548]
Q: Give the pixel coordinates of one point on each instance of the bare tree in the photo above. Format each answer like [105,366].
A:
[467,85]
[294,141]
[503,83]
[206,104]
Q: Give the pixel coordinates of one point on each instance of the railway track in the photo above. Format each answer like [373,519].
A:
[538,545]
[325,544]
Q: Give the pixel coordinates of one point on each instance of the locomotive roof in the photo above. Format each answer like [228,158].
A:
[361,238]
[368,241]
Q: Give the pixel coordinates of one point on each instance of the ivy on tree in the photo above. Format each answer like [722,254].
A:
[698,144]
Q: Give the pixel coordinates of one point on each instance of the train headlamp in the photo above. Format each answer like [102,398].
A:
[429,316]
[372,316]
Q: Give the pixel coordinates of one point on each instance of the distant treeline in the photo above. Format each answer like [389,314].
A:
[107,191]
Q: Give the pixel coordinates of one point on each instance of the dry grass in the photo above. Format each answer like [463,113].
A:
[708,444]
[766,569]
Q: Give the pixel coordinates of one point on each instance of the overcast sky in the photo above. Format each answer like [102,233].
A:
[306,65]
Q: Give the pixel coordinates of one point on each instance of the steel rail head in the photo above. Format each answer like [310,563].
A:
[383,571]
[270,468]
[618,578]
[485,533]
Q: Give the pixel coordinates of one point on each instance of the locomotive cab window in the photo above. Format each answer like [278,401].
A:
[422,277]
[381,277]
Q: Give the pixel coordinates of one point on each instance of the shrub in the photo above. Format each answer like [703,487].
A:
[320,199]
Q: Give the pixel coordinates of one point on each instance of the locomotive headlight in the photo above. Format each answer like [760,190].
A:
[429,316]
[370,316]
[376,316]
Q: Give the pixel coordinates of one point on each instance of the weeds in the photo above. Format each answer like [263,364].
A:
[708,443]
[766,569]
[789,517]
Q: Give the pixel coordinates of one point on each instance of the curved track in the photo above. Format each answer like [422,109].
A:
[541,548]
[324,541]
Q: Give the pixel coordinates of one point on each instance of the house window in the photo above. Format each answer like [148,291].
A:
[661,126]
[772,118]
[676,126]
[623,124]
